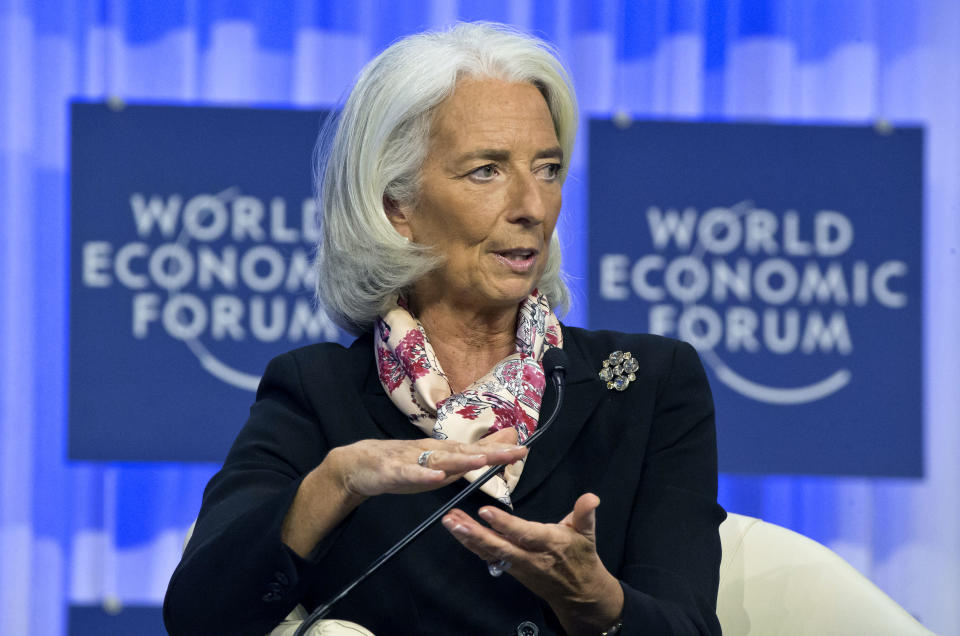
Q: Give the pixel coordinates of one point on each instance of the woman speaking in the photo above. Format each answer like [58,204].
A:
[439,194]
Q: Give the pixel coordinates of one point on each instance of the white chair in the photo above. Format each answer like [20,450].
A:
[325,627]
[775,582]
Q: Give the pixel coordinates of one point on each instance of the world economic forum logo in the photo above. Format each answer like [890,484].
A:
[744,281]
[217,272]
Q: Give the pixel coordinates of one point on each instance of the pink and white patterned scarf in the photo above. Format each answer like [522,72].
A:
[508,395]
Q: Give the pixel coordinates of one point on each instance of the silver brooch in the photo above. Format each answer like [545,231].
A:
[619,370]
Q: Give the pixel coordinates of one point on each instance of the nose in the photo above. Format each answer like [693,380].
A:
[528,204]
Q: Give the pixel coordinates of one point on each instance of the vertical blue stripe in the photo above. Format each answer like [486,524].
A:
[544,22]
[683,16]
[187,494]
[638,38]
[716,35]
[87,498]
[148,20]
[138,491]
[232,9]
[49,17]
[274,20]
[202,24]
[396,19]
[50,260]
[828,24]
[762,17]
[103,15]
[270,33]
[332,15]
[898,29]
[490,10]
[595,15]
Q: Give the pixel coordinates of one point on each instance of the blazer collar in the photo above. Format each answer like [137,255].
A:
[387,417]
[584,389]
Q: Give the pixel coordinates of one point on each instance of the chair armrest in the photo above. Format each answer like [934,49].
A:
[327,627]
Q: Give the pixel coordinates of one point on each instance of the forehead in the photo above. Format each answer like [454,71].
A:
[492,112]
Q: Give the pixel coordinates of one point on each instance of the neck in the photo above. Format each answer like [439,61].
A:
[468,343]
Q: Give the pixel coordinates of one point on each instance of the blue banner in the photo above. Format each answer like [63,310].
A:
[791,257]
[192,233]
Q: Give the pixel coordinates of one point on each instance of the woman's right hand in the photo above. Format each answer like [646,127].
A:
[373,467]
[370,467]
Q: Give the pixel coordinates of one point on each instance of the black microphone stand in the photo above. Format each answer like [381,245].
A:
[557,375]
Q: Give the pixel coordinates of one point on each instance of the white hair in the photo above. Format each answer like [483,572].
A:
[379,143]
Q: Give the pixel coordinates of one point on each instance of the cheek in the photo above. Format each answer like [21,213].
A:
[447,219]
[550,224]
[470,225]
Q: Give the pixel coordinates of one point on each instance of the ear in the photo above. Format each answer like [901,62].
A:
[398,216]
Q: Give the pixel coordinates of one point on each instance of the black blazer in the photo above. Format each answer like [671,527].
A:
[648,452]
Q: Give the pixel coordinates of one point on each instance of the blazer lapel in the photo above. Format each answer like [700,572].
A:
[387,417]
[385,414]
[584,390]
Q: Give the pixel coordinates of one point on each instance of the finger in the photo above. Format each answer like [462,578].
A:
[458,462]
[454,462]
[583,519]
[529,535]
[480,540]
[502,443]
[497,446]
[506,438]
[503,446]
[509,455]
[497,451]
[415,474]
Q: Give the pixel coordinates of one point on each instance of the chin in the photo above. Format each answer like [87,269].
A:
[514,297]
[504,293]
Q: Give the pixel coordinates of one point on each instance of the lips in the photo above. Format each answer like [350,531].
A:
[519,254]
[519,259]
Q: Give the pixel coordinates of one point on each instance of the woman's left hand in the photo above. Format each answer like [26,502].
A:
[557,561]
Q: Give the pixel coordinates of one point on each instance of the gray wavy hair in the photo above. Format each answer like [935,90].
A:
[376,148]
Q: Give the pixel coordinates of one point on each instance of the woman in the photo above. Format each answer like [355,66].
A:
[439,195]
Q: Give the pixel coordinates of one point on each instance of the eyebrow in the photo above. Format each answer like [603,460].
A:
[497,154]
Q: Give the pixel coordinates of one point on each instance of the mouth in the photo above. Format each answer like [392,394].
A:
[519,259]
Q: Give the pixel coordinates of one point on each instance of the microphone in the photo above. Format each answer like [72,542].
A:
[554,363]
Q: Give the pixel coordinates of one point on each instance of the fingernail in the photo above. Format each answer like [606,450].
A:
[450,524]
[485,514]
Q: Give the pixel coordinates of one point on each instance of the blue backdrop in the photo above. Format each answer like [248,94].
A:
[192,234]
[790,257]
[108,534]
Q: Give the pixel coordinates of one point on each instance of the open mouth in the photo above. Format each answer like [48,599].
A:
[519,260]
[517,255]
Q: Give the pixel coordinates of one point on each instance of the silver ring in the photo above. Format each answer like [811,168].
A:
[424,456]
[499,567]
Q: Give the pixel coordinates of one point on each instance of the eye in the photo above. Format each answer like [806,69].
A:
[551,171]
[484,173]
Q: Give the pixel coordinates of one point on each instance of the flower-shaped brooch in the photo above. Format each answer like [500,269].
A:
[619,370]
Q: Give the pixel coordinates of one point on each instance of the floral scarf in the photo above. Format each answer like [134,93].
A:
[508,395]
